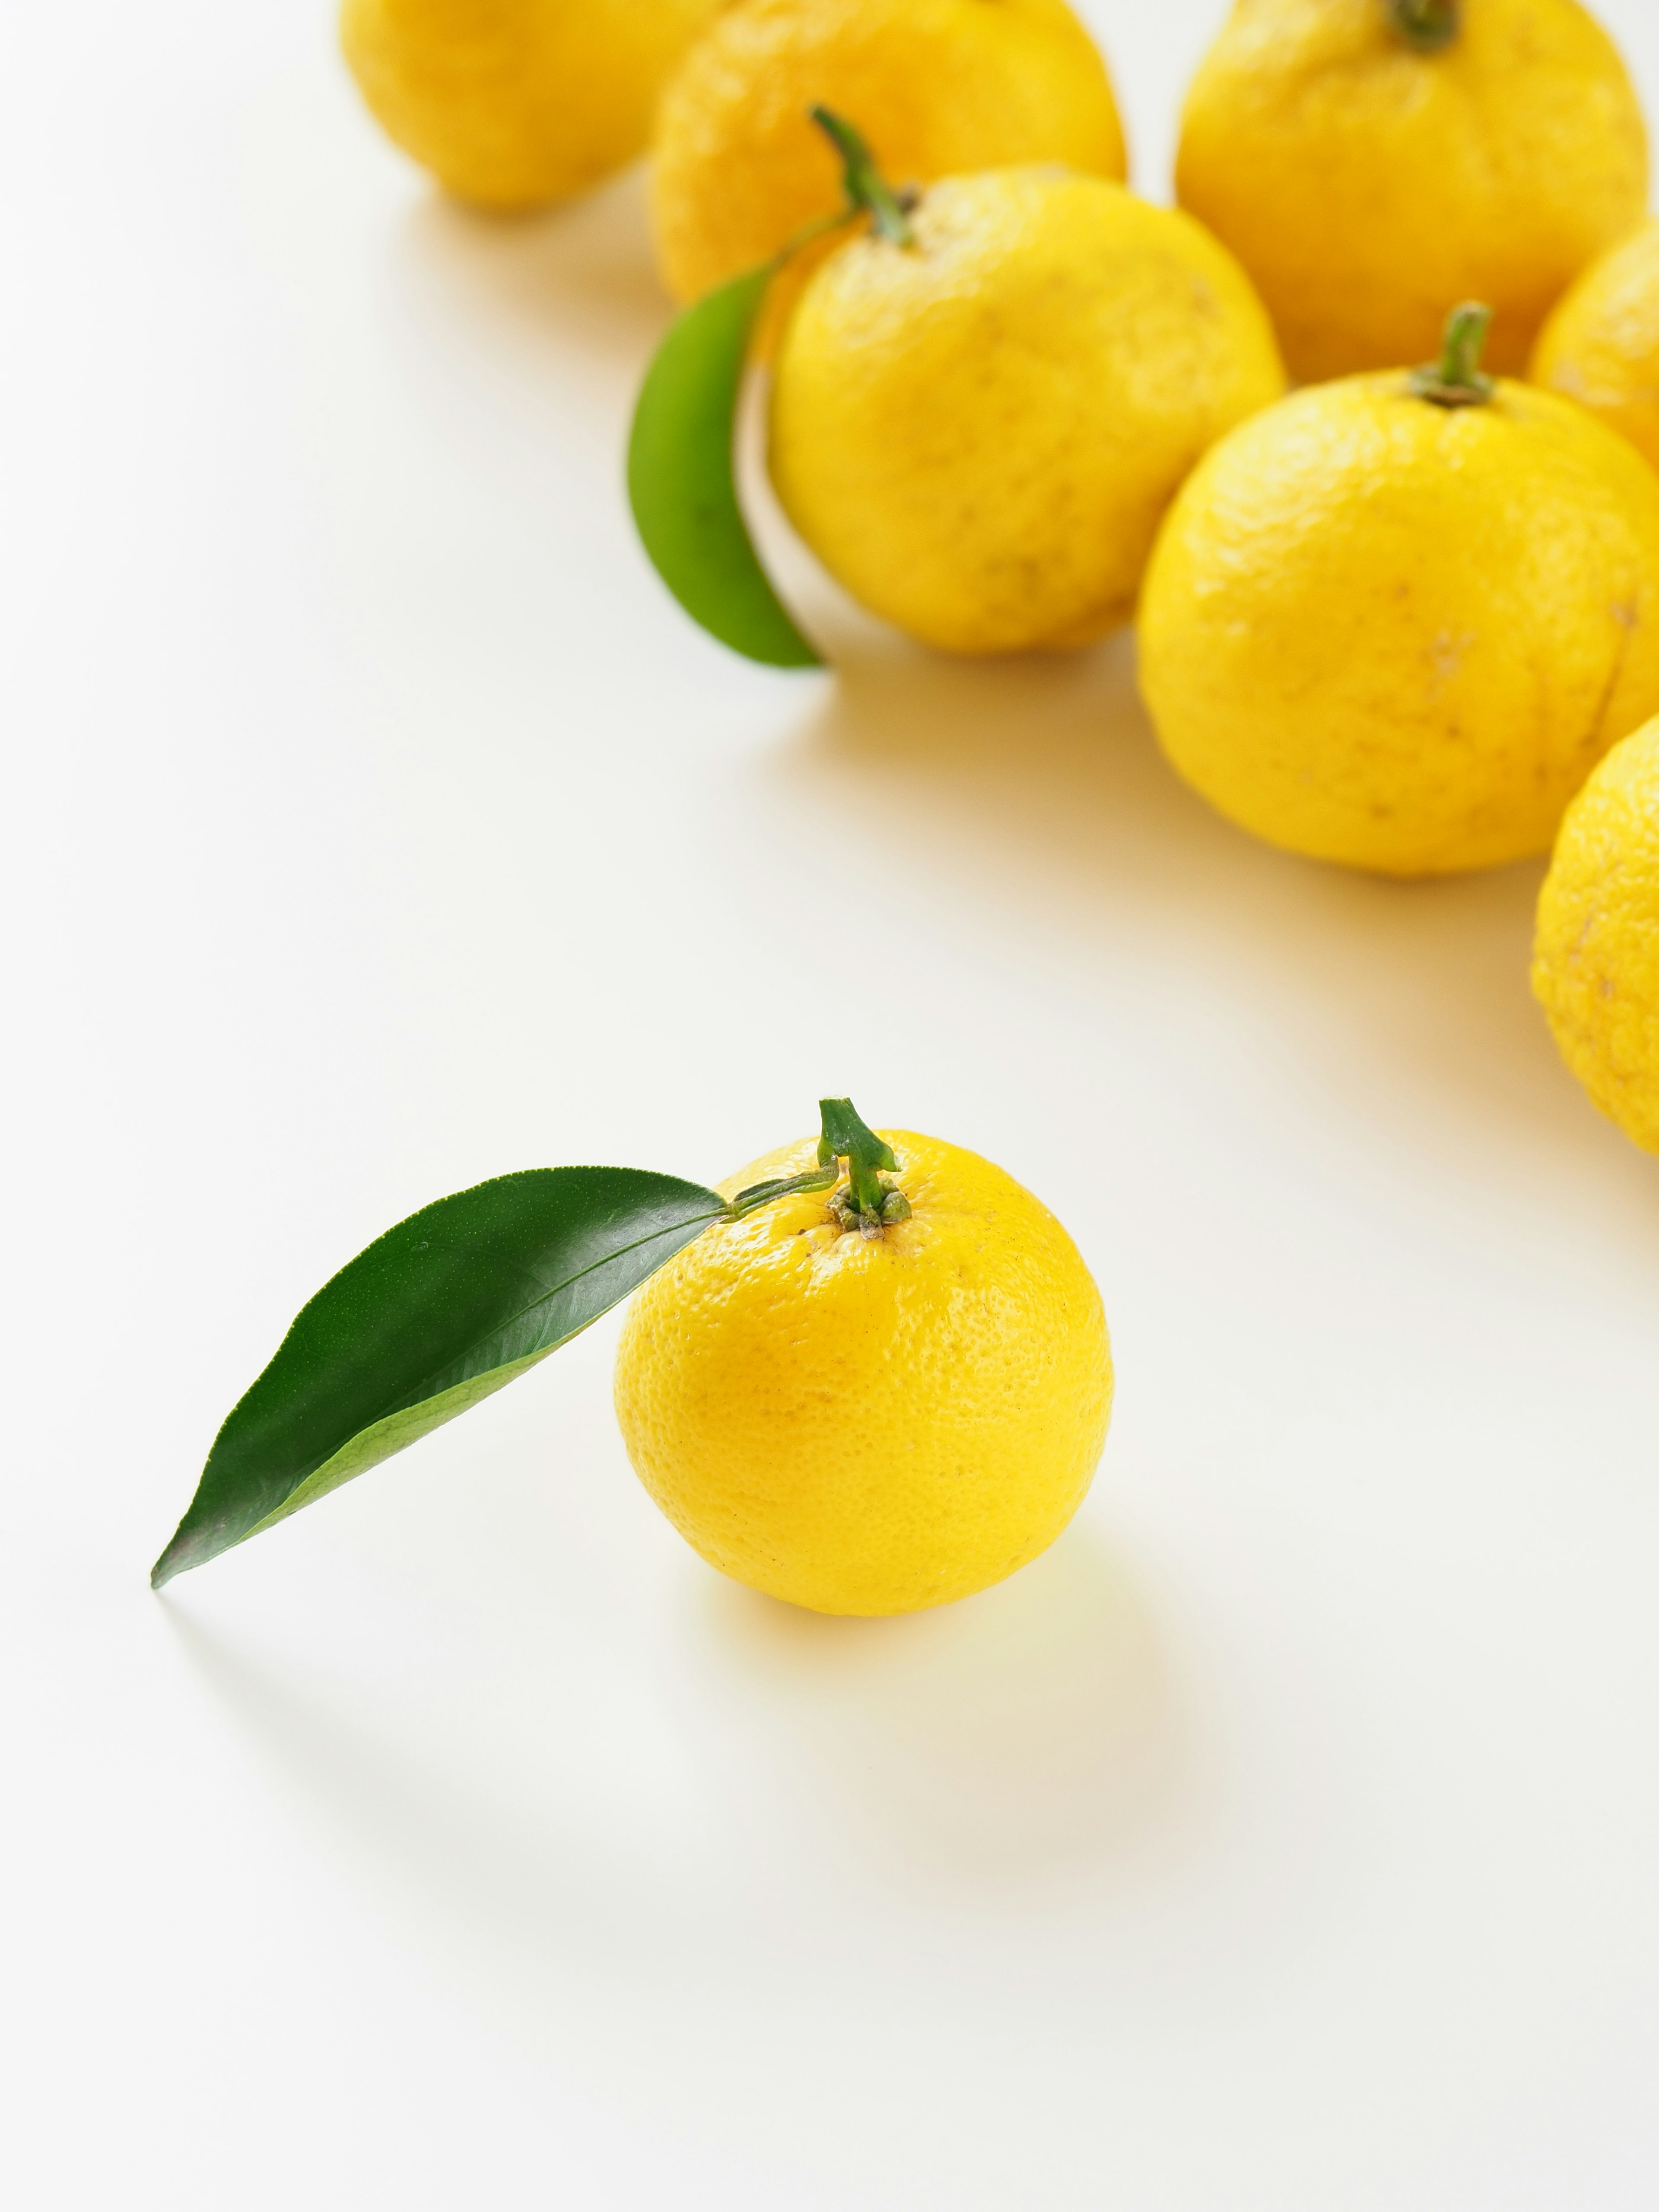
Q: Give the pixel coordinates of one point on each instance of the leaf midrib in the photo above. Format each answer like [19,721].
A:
[404,1401]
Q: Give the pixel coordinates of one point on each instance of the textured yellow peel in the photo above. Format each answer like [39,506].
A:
[871,1426]
[979,436]
[1596,961]
[1368,189]
[1401,636]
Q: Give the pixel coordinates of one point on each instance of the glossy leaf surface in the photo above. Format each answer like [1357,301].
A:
[443,1309]
[681,483]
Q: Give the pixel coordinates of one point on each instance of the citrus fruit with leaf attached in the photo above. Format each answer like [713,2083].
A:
[1395,620]
[977,421]
[868,1389]
[875,1401]
[1371,161]
[1595,961]
[517,103]
[1601,345]
[937,86]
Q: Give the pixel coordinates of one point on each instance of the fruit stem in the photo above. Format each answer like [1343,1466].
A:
[1456,379]
[868,189]
[1428,26]
[870,1204]
[762,1193]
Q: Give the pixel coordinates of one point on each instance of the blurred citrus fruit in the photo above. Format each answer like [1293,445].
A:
[1371,161]
[936,86]
[515,103]
[1595,963]
[1601,345]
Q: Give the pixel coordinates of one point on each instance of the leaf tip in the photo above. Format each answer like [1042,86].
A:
[185,1551]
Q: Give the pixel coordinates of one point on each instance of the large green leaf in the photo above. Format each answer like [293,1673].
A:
[681,484]
[436,1314]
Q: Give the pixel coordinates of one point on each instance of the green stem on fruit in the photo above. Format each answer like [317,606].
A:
[870,1203]
[867,190]
[762,1193]
[1456,379]
[1428,26]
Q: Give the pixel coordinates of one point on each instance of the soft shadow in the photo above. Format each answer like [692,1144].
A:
[1030,1729]
[509,1876]
[1040,782]
[583,274]
[1000,1743]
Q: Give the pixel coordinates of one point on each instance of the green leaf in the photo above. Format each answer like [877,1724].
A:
[681,485]
[443,1309]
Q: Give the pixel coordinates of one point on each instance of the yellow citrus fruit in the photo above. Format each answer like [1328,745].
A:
[517,103]
[935,86]
[978,434]
[1595,962]
[1601,345]
[1397,635]
[1366,185]
[870,1425]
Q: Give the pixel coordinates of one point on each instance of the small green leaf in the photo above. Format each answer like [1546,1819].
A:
[443,1309]
[681,484]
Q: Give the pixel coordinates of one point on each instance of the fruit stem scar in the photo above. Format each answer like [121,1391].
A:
[868,189]
[869,1204]
[1427,26]
[1456,379]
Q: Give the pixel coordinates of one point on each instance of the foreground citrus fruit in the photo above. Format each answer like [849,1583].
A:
[936,86]
[870,1424]
[978,433]
[1601,346]
[516,103]
[1398,634]
[1371,161]
[1595,963]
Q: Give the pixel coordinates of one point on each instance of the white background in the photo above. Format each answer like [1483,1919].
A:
[1287,1840]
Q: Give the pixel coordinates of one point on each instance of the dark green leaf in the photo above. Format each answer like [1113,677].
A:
[681,485]
[441,1310]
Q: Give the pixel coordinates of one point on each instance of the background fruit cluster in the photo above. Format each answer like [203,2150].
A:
[1394,621]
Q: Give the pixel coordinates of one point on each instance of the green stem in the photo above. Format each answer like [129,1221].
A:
[1428,26]
[847,1137]
[868,189]
[762,1193]
[1456,379]
[870,1204]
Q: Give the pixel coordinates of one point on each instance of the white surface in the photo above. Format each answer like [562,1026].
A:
[1285,1840]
